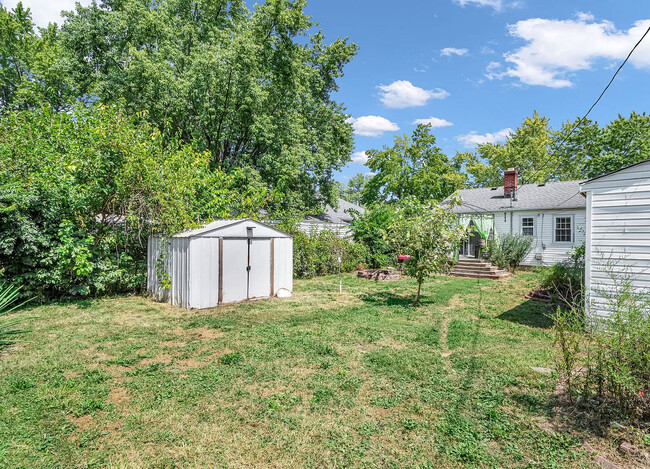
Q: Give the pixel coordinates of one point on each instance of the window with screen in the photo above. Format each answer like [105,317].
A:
[527,226]
[563,231]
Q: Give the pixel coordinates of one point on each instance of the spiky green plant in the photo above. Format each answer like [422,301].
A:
[8,304]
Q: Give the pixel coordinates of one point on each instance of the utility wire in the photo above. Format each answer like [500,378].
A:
[584,118]
[580,122]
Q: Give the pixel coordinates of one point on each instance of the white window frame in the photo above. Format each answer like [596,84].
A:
[573,229]
[521,225]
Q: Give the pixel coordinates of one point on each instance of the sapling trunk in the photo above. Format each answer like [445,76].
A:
[417,297]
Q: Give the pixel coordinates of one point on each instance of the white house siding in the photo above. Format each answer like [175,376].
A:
[618,240]
[544,244]
[310,227]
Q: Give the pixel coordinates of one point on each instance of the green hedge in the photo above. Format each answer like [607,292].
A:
[317,253]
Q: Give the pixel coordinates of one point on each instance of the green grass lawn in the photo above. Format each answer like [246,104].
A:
[361,379]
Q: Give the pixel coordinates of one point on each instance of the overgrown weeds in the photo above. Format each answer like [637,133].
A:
[604,361]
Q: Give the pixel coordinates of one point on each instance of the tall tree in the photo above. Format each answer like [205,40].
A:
[252,87]
[527,149]
[31,72]
[413,166]
[592,150]
[353,190]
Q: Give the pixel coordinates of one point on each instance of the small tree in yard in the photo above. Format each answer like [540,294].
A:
[428,234]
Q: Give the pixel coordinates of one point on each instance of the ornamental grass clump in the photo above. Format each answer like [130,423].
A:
[8,298]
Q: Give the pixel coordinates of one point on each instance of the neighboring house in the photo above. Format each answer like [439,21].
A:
[333,219]
[618,235]
[553,213]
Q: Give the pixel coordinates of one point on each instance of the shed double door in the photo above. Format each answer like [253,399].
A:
[246,268]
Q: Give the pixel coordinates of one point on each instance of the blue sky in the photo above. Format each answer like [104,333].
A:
[484,65]
[477,67]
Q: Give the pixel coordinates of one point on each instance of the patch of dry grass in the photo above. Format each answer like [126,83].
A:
[362,379]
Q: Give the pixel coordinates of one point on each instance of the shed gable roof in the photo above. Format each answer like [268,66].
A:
[218,225]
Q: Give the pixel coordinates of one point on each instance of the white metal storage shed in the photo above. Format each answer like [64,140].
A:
[618,235]
[223,262]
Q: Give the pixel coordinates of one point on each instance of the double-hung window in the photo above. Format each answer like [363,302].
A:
[563,229]
[527,226]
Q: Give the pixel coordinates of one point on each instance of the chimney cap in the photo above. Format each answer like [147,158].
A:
[511,170]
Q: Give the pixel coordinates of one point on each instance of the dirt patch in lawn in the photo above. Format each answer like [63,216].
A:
[187,363]
[118,395]
[201,333]
[82,423]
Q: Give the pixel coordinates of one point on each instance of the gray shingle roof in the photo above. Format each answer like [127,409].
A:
[547,196]
[341,215]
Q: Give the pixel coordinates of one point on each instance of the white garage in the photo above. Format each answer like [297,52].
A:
[223,262]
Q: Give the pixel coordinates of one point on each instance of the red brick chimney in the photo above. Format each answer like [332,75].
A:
[510,182]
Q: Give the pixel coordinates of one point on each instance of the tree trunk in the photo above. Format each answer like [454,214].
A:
[417,297]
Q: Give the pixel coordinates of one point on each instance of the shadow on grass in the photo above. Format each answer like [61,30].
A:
[388,298]
[530,313]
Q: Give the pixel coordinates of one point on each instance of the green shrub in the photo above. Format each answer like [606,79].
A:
[566,279]
[508,251]
[81,191]
[369,229]
[608,369]
[317,253]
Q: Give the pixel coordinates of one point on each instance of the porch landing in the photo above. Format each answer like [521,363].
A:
[477,268]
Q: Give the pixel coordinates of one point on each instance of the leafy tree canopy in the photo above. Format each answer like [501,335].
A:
[251,87]
[353,190]
[31,72]
[81,191]
[542,154]
[413,166]
[427,233]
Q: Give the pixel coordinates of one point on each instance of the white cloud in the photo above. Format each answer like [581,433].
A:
[46,11]
[434,121]
[497,5]
[449,51]
[472,139]
[403,93]
[557,48]
[372,126]
[359,157]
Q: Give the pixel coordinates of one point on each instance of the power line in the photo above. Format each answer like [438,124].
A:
[584,118]
[581,121]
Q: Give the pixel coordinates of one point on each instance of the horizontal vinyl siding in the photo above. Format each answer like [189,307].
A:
[544,233]
[620,236]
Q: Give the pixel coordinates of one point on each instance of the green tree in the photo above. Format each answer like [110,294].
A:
[81,191]
[427,233]
[31,72]
[527,149]
[413,166]
[592,150]
[353,190]
[254,88]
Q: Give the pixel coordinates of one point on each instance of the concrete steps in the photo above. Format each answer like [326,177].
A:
[478,268]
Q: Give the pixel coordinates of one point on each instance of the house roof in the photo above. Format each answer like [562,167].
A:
[544,196]
[340,215]
[617,171]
